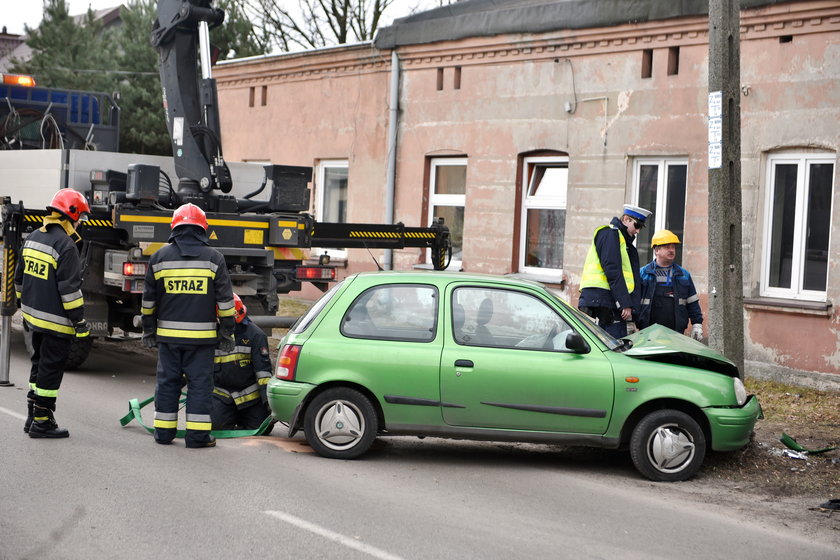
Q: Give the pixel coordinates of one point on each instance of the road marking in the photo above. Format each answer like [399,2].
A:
[333,536]
[12,413]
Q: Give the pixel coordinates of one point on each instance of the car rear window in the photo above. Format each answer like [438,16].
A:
[306,319]
[406,312]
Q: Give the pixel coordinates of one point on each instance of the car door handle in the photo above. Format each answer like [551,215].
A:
[464,363]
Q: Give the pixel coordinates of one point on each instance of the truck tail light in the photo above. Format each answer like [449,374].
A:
[287,362]
[134,269]
[315,273]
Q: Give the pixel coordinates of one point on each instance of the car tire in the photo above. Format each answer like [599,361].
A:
[668,446]
[340,423]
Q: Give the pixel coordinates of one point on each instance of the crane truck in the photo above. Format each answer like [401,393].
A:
[258,214]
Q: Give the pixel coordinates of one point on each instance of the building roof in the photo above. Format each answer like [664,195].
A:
[477,18]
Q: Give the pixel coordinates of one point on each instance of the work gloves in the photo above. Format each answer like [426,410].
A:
[82,329]
[149,340]
[226,343]
[697,331]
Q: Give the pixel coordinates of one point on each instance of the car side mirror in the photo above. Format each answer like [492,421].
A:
[576,343]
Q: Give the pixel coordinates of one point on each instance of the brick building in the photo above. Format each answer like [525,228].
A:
[528,123]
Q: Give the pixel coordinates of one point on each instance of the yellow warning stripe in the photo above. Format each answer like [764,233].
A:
[88,223]
[393,235]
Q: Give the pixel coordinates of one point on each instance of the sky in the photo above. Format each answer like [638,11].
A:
[15,13]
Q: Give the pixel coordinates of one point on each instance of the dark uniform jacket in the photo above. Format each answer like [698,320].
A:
[609,253]
[185,283]
[686,301]
[241,375]
[48,279]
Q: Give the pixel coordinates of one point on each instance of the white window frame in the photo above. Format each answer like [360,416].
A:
[663,163]
[444,199]
[320,182]
[803,160]
[552,203]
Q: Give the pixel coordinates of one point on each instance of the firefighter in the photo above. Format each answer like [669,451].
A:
[48,282]
[186,282]
[240,376]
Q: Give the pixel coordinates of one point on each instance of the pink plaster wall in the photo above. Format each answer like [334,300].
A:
[333,103]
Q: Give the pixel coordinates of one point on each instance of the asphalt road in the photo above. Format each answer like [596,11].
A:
[109,492]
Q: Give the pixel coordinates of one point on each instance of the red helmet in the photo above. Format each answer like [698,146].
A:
[189,214]
[69,202]
[241,310]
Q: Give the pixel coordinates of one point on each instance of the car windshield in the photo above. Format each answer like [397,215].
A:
[306,319]
[590,325]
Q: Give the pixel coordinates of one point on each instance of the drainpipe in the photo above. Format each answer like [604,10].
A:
[391,173]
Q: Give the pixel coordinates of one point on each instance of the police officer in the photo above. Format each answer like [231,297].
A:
[608,284]
[186,282]
[241,376]
[668,294]
[48,284]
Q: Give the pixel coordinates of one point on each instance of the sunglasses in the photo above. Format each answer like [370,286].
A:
[637,224]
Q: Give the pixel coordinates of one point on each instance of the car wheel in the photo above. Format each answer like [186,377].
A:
[668,446]
[340,423]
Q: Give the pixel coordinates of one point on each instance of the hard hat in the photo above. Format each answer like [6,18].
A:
[189,214]
[241,310]
[71,203]
[663,237]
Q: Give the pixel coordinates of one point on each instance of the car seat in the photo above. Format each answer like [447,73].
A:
[458,317]
[483,336]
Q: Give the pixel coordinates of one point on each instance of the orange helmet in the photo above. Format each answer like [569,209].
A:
[71,203]
[189,214]
[241,310]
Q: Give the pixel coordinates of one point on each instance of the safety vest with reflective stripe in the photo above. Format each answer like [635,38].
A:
[593,273]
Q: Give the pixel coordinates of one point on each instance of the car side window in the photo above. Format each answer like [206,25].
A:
[406,312]
[506,319]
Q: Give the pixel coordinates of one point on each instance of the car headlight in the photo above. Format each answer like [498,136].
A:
[740,391]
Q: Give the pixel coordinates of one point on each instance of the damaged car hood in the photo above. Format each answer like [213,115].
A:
[661,344]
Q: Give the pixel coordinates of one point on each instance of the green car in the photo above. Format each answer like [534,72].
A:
[482,357]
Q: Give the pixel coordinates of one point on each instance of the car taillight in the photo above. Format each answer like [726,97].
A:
[287,362]
[134,269]
[315,273]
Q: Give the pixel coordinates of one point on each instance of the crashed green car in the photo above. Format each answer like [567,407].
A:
[481,357]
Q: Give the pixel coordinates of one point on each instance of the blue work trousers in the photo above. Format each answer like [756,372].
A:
[179,364]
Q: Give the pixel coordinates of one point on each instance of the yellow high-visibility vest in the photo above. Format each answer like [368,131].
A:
[593,273]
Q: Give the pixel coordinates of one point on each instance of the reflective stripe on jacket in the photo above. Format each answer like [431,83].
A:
[686,300]
[181,295]
[48,280]
[242,374]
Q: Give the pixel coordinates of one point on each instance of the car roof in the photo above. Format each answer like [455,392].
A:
[443,277]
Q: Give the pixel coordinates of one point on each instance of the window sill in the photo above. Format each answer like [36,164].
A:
[779,305]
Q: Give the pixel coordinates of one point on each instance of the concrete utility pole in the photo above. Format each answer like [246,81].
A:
[725,323]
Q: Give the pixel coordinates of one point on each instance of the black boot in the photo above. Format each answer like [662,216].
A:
[29,405]
[210,441]
[44,426]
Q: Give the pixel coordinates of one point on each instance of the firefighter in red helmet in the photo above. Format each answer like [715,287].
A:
[48,283]
[240,376]
[186,283]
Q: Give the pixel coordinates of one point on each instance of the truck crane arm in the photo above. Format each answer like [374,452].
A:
[181,35]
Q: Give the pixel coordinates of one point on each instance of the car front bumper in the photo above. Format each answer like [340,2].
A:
[285,399]
[731,427]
